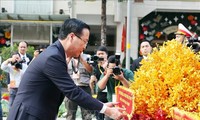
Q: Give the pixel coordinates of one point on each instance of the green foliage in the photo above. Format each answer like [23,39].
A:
[5,107]
[62,110]
[5,54]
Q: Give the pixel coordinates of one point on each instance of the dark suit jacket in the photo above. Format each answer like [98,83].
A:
[44,85]
[29,57]
[136,64]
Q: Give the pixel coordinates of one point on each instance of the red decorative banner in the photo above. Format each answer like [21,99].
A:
[125,97]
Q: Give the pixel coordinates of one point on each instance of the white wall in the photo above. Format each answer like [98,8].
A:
[8,5]
[92,7]
[61,4]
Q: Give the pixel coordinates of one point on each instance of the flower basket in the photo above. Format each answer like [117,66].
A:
[178,114]
[168,78]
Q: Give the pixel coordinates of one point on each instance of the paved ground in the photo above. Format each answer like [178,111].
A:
[57,119]
[78,116]
[60,118]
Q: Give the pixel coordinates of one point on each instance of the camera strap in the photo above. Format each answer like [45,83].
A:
[75,66]
[117,83]
[99,67]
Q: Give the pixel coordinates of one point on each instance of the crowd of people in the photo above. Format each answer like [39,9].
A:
[63,72]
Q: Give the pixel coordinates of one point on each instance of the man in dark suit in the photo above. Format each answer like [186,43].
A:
[46,81]
[22,49]
[145,49]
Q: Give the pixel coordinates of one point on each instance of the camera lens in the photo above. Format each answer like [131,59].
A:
[116,70]
[18,65]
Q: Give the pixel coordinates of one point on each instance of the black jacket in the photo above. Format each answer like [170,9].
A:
[136,64]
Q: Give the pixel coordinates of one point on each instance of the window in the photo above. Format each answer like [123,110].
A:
[33,34]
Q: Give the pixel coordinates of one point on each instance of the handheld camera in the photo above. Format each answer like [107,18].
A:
[116,69]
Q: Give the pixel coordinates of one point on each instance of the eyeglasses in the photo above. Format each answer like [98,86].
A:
[81,39]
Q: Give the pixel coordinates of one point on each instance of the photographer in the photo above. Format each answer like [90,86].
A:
[37,52]
[194,43]
[99,64]
[184,36]
[80,71]
[15,66]
[114,76]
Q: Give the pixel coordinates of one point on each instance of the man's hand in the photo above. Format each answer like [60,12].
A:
[8,87]
[122,79]
[36,53]
[111,104]
[93,81]
[119,77]
[114,112]
[109,71]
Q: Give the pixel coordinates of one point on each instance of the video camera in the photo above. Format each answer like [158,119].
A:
[94,60]
[116,69]
[194,43]
[17,64]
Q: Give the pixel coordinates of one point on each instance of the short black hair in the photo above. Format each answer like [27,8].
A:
[22,42]
[102,48]
[72,25]
[145,41]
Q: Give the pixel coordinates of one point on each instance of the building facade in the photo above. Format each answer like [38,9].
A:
[38,22]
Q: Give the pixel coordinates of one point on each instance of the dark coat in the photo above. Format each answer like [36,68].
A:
[44,85]
[136,64]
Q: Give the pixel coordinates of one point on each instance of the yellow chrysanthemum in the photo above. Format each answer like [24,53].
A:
[170,77]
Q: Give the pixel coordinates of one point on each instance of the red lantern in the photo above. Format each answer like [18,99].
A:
[193,22]
[2,41]
[141,37]
[144,28]
[190,17]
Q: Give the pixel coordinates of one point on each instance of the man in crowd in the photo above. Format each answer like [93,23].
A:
[99,67]
[80,71]
[145,49]
[184,36]
[114,76]
[46,81]
[16,67]
[22,49]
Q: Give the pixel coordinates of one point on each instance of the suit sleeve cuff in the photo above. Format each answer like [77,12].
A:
[103,108]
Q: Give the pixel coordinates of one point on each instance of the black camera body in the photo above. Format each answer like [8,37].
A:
[116,70]
[94,60]
[194,42]
[18,65]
